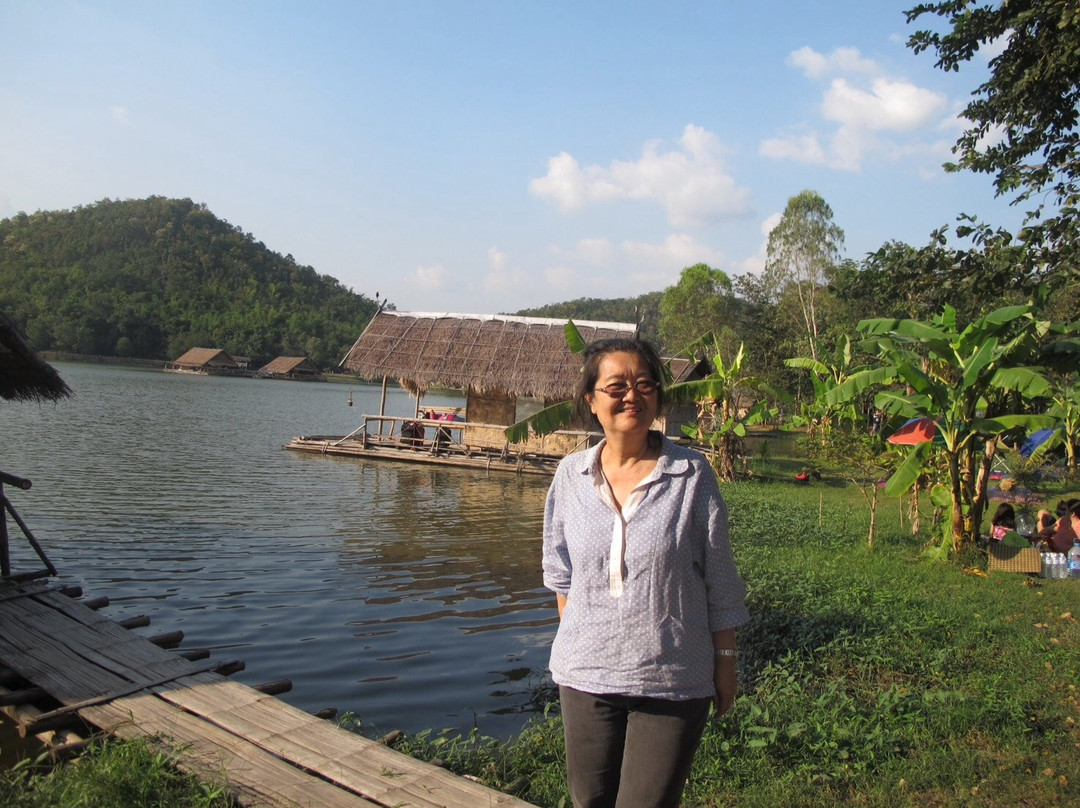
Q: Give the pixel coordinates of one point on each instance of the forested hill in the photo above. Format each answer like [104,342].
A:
[644,309]
[154,277]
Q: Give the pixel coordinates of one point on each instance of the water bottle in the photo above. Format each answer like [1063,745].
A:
[1074,560]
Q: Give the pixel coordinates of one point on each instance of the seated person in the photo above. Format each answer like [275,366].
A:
[412,433]
[1067,529]
[1003,520]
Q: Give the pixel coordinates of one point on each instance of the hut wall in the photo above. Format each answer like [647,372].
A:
[491,408]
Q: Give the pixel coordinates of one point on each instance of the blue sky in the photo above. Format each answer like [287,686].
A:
[490,156]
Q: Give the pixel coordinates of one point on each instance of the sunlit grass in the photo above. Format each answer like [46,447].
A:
[115,774]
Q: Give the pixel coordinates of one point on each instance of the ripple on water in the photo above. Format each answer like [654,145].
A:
[409,595]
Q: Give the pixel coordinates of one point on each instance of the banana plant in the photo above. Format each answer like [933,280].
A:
[1066,407]
[721,424]
[976,383]
[829,373]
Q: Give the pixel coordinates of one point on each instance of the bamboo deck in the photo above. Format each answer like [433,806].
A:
[270,754]
[454,455]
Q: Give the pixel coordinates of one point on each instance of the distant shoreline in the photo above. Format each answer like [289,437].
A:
[159,364]
[125,361]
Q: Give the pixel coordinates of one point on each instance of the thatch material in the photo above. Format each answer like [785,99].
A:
[206,358]
[290,365]
[24,376]
[518,356]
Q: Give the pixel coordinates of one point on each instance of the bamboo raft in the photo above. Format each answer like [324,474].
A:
[82,668]
[463,444]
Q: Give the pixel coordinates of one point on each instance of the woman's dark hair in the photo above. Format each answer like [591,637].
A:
[1004,516]
[590,371]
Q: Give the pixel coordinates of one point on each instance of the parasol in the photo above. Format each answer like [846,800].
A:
[914,432]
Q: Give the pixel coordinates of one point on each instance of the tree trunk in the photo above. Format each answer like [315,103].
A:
[959,533]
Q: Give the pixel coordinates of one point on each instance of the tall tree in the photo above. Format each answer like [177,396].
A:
[1023,119]
[803,249]
[701,302]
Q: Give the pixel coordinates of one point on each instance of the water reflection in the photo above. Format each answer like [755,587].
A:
[411,595]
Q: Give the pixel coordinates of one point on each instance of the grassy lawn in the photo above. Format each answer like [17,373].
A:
[869,678]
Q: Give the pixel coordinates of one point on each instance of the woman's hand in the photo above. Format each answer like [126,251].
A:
[725,684]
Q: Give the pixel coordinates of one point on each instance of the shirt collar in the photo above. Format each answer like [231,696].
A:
[670,461]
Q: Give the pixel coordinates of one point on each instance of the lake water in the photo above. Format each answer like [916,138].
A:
[409,595]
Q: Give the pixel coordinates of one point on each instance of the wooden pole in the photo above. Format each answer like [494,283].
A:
[382,405]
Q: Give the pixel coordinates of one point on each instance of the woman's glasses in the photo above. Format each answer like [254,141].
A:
[645,387]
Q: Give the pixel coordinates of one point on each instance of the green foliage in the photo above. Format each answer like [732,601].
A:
[643,310]
[700,302]
[129,774]
[154,277]
[722,423]
[976,383]
[1021,121]
[803,249]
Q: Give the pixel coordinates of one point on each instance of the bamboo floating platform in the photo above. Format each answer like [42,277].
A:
[483,459]
[97,673]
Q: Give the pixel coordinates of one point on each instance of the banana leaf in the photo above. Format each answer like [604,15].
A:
[858,383]
[573,338]
[1029,382]
[983,357]
[543,422]
[1003,423]
[908,472]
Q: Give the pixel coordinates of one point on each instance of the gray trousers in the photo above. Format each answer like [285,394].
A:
[629,752]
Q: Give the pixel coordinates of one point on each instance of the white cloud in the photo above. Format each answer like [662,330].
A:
[676,252]
[433,277]
[119,114]
[895,106]
[870,116]
[501,276]
[800,148]
[691,182]
[814,65]
[755,264]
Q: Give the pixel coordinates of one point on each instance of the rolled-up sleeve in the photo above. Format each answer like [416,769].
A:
[725,590]
[557,566]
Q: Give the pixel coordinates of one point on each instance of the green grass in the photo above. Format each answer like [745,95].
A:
[110,775]
[868,678]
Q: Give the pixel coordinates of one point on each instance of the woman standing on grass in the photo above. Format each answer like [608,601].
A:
[636,550]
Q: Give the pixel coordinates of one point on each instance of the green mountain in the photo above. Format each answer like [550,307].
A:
[644,309]
[154,277]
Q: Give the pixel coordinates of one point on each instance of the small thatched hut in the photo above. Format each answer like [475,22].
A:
[205,360]
[24,376]
[291,367]
[508,367]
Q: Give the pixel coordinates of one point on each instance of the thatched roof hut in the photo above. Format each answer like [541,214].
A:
[24,376]
[291,367]
[519,357]
[205,359]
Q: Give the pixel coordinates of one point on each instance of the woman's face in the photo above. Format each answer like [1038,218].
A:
[635,411]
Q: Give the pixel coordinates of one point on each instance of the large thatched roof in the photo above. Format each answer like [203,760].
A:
[24,376]
[206,357]
[521,356]
[285,365]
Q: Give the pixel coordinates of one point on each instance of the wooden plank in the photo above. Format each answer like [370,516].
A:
[45,661]
[355,762]
[99,641]
[274,754]
[257,777]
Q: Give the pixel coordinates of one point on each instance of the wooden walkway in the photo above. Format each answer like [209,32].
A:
[270,753]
